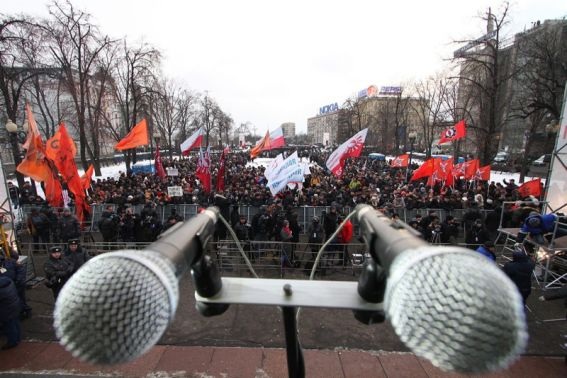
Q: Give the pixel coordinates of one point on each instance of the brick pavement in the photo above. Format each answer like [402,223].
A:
[50,359]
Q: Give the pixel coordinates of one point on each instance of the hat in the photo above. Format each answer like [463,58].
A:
[74,242]
[130,198]
[534,221]
[315,219]
[534,200]
[55,249]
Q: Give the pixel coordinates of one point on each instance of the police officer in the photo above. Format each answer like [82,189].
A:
[57,270]
[75,254]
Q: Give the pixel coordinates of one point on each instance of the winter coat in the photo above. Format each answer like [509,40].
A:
[69,228]
[57,271]
[9,300]
[520,271]
[77,258]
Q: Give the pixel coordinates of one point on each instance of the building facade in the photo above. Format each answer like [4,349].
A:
[288,129]
[322,129]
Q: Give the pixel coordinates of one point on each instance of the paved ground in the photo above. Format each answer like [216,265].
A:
[331,338]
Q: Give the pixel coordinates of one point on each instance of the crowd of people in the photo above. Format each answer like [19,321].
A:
[484,206]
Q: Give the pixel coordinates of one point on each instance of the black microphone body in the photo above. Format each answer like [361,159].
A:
[119,304]
[448,304]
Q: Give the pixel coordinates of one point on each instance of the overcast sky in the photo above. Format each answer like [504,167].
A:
[269,62]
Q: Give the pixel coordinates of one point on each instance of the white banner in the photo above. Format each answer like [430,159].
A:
[174,191]
[291,161]
[292,174]
[172,172]
[273,166]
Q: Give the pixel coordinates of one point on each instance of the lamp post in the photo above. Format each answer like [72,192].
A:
[412,136]
[12,129]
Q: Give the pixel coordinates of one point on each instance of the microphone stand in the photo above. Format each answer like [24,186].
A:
[295,363]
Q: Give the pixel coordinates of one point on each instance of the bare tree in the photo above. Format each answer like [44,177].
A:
[165,112]
[429,108]
[134,71]
[75,46]
[185,114]
[485,73]
[208,116]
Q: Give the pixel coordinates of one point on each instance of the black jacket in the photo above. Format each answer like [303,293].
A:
[520,271]
[77,258]
[57,271]
[9,300]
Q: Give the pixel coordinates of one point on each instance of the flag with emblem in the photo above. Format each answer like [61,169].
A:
[400,161]
[458,131]
[351,148]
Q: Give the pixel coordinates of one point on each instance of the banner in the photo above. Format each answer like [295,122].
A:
[278,160]
[291,174]
[172,172]
[174,191]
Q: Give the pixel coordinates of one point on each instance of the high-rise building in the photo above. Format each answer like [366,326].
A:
[288,129]
[322,129]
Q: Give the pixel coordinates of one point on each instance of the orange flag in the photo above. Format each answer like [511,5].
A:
[34,164]
[87,177]
[65,163]
[262,145]
[138,136]
[53,190]
[52,146]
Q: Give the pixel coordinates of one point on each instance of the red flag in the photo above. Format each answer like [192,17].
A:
[400,161]
[530,188]
[482,173]
[138,136]
[442,171]
[425,170]
[471,167]
[262,145]
[86,178]
[351,148]
[160,172]
[220,175]
[454,132]
[459,169]
[203,172]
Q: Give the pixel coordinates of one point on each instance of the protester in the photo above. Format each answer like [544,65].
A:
[10,267]
[68,226]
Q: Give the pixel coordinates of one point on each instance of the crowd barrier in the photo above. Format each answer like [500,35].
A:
[305,214]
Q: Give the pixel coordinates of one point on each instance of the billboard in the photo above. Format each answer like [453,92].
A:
[331,108]
[371,91]
[391,91]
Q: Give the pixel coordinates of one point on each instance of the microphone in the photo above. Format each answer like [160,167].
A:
[449,305]
[119,304]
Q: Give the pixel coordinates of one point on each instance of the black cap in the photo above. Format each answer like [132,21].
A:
[74,242]
[55,249]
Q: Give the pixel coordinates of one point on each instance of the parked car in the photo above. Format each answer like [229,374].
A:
[501,157]
[542,161]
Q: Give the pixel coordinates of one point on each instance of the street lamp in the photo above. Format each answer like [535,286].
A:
[12,129]
[412,136]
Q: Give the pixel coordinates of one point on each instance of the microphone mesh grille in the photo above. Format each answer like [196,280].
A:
[115,308]
[457,310]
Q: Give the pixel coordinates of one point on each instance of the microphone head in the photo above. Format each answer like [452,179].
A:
[116,307]
[456,308]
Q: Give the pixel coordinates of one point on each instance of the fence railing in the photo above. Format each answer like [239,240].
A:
[305,214]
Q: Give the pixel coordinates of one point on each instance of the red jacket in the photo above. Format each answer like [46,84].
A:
[345,236]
